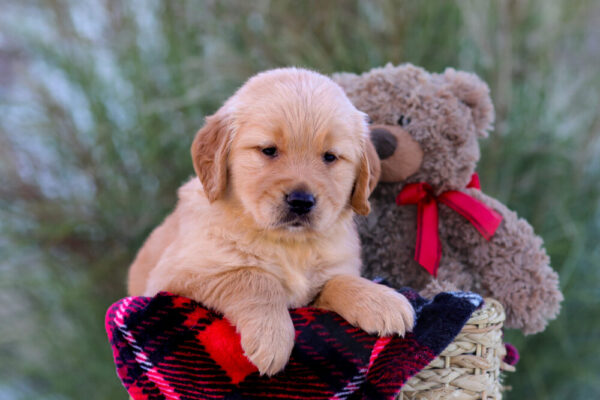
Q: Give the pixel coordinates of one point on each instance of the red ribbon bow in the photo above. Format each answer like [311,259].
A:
[429,248]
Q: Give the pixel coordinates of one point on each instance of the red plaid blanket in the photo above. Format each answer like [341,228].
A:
[170,347]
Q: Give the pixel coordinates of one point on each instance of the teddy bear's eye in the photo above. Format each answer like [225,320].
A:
[369,120]
[402,121]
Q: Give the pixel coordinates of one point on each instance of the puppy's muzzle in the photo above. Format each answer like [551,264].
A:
[300,202]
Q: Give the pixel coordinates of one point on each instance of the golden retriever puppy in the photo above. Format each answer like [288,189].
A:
[282,167]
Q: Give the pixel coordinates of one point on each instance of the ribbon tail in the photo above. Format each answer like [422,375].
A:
[486,220]
[474,182]
[428,250]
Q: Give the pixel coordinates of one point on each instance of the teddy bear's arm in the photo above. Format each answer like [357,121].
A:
[515,268]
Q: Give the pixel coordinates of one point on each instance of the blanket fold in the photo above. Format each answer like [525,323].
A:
[171,347]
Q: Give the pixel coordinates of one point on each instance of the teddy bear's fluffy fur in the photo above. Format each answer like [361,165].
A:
[444,114]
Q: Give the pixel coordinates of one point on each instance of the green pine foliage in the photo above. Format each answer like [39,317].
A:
[99,102]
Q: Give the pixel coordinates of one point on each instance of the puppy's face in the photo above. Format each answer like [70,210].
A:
[289,150]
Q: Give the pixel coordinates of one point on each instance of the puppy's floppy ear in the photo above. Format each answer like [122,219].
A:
[361,191]
[209,155]
[374,165]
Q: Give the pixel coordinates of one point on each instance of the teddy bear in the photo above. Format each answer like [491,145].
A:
[431,227]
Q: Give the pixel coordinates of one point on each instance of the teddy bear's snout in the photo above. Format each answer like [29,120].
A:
[384,141]
[399,153]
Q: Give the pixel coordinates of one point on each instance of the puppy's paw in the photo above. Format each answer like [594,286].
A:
[381,310]
[267,340]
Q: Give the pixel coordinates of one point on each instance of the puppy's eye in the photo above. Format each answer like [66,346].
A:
[270,151]
[403,120]
[369,120]
[329,158]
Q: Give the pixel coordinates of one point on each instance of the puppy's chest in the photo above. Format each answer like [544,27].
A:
[302,276]
[302,269]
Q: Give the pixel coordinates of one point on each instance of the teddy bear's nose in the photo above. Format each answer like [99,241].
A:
[384,141]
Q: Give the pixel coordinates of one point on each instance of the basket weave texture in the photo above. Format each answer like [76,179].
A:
[470,367]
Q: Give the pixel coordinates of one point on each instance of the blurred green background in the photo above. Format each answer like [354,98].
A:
[99,101]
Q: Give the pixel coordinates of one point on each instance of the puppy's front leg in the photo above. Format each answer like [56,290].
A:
[372,307]
[256,303]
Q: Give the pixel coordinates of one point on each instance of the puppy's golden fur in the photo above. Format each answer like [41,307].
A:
[231,243]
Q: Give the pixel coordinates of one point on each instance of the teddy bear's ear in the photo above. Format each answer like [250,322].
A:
[346,80]
[475,93]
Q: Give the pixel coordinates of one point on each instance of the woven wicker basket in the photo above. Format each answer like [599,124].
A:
[470,367]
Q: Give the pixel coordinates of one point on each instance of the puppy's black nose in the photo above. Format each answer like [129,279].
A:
[300,202]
